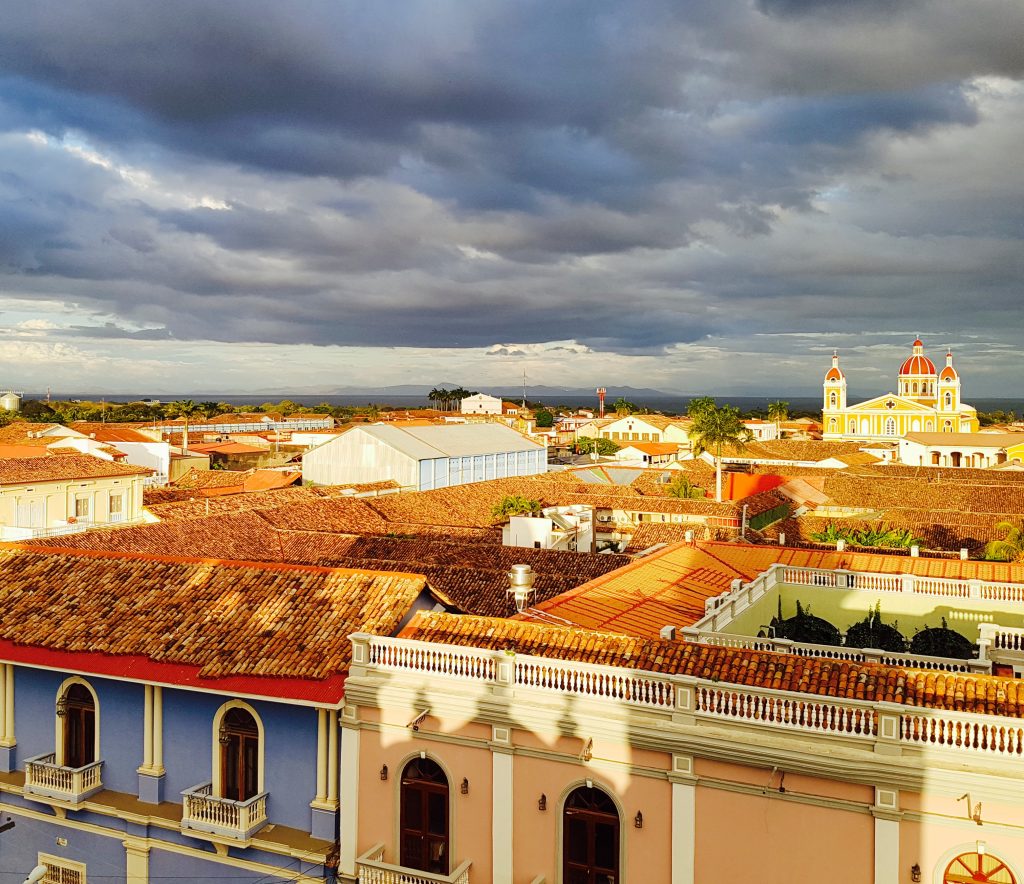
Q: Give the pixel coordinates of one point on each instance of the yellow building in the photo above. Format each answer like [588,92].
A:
[926,401]
[65,494]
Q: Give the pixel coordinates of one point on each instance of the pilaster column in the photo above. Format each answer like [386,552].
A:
[684,819]
[158,729]
[501,817]
[136,862]
[349,798]
[9,705]
[332,756]
[887,836]
[321,755]
[147,728]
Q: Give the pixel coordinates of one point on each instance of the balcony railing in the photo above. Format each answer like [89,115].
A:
[202,811]
[43,776]
[901,727]
[830,652]
[373,870]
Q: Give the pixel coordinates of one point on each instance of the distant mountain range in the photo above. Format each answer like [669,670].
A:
[508,392]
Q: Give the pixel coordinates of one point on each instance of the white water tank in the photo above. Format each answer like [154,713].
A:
[10,402]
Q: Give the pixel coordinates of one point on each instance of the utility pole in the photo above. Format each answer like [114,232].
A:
[524,388]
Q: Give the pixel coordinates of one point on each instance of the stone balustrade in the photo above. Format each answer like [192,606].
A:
[373,870]
[888,727]
[202,811]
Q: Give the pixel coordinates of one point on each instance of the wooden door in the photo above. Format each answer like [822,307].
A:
[240,748]
[590,838]
[424,817]
[79,727]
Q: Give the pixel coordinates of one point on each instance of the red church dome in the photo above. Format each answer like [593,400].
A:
[918,364]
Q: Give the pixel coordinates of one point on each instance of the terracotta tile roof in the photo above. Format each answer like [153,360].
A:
[18,433]
[231,448]
[793,449]
[102,433]
[868,682]
[648,534]
[470,575]
[226,619]
[195,479]
[63,468]
[670,586]
[667,587]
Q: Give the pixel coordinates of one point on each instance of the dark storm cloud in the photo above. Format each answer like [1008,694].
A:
[444,174]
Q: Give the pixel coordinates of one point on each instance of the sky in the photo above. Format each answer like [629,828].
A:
[698,197]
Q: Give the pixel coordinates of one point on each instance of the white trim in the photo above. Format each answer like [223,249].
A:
[684,832]
[887,851]
[215,771]
[349,834]
[58,722]
[502,818]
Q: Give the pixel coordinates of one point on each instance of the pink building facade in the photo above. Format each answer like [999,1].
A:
[468,762]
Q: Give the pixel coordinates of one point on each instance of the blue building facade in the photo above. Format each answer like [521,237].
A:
[119,780]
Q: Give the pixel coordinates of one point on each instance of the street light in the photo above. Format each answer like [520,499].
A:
[36,875]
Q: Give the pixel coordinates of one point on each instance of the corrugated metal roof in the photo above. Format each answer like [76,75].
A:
[466,440]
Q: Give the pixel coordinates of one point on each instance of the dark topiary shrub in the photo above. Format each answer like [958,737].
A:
[941,641]
[805,627]
[871,632]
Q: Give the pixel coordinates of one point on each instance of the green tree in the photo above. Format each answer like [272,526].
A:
[624,406]
[713,429]
[683,488]
[545,418]
[1011,547]
[700,405]
[604,447]
[778,412]
[514,505]
[185,409]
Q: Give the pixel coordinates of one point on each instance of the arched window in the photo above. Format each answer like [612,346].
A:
[970,868]
[77,709]
[424,817]
[890,426]
[832,400]
[833,427]
[949,399]
[590,838]
[915,388]
[239,755]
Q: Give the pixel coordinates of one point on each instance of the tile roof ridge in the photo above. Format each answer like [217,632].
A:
[198,560]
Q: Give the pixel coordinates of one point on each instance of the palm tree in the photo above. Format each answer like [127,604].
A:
[184,408]
[778,412]
[713,429]
[1011,547]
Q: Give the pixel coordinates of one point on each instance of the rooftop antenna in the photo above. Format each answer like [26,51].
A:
[524,388]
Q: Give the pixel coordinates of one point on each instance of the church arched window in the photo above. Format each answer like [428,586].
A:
[890,426]
[949,400]
[832,400]
[915,387]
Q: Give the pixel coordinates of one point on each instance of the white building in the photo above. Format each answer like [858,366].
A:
[481,403]
[568,528]
[423,458]
[762,431]
[961,449]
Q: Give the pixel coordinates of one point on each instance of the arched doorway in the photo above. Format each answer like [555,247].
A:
[239,755]
[971,868]
[78,709]
[590,838]
[424,817]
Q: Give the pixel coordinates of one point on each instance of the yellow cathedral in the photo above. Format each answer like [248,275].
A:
[927,401]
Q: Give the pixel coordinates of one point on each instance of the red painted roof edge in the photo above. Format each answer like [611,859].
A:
[139,668]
